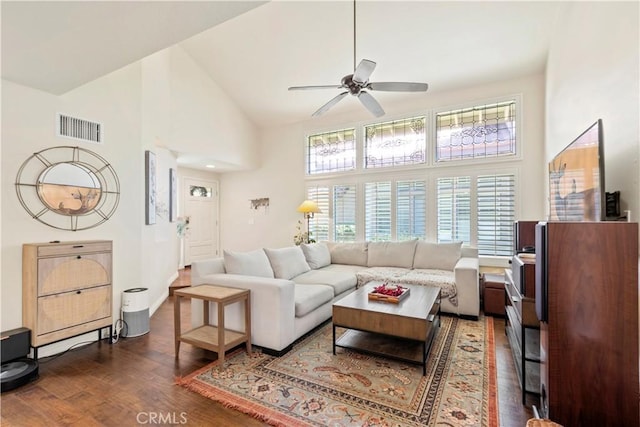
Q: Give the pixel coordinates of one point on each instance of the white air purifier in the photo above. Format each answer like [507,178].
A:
[135,312]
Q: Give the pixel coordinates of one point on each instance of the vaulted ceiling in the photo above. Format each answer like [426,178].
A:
[256,50]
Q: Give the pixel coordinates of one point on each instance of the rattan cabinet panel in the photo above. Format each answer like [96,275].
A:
[66,289]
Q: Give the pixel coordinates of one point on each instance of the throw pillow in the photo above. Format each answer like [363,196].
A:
[287,263]
[391,254]
[437,256]
[348,253]
[317,255]
[253,263]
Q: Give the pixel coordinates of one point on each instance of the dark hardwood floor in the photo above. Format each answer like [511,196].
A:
[132,383]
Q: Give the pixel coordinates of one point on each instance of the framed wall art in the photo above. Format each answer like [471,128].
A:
[150,187]
[173,195]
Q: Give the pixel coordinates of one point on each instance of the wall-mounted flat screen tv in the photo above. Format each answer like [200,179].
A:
[576,179]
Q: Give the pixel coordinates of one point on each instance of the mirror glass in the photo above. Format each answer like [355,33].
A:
[69,189]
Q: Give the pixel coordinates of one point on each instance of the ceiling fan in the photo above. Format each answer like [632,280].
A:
[358,83]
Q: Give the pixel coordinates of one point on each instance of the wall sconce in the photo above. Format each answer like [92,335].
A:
[308,208]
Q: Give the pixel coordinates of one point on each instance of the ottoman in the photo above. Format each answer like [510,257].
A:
[493,294]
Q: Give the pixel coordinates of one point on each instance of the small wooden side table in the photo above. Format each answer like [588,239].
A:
[214,338]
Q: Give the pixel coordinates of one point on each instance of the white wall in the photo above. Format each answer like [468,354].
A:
[159,262]
[281,174]
[204,119]
[28,126]
[593,72]
[136,106]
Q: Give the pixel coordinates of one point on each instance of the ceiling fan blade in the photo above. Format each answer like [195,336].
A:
[315,87]
[363,71]
[371,104]
[398,86]
[329,104]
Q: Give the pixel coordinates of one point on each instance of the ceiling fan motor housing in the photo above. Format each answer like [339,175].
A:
[354,87]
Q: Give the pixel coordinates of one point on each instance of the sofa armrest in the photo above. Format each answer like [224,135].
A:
[466,276]
[206,267]
[272,308]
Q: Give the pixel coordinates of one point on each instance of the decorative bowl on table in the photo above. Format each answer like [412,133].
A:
[389,293]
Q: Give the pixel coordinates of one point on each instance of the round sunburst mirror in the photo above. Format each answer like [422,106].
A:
[69,188]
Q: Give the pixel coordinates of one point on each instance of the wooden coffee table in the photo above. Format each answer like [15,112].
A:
[402,331]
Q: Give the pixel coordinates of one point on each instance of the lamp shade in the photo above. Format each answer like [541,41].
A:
[309,206]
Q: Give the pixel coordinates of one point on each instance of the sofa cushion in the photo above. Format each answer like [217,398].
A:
[316,254]
[439,256]
[339,281]
[348,253]
[391,254]
[309,297]
[287,262]
[253,263]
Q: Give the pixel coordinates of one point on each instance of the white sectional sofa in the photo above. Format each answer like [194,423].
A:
[293,288]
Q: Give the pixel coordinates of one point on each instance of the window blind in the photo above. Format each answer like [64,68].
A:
[454,209]
[496,214]
[319,224]
[344,213]
[377,211]
[411,210]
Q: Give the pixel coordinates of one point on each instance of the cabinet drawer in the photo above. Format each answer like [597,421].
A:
[63,274]
[56,312]
[73,248]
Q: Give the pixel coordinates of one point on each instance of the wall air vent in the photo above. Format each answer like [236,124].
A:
[72,127]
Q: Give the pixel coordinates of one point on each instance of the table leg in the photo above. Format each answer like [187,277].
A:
[247,322]
[424,358]
[221,346]
[176,323]
[205,313]
[334,340]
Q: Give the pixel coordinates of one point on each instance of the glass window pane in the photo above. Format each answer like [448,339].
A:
[331,151]
[496,214]
[396,143]
[344,213]
[477,132]
[198,191]
[319,224]
[377,211]
[411,210]
[454,209]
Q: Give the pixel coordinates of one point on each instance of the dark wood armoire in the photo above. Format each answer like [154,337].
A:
[587,301]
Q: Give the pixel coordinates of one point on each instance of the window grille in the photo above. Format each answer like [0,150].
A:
[344,213]
[411,210]
[331,152]
[482,131]
[395,143]
[377,211]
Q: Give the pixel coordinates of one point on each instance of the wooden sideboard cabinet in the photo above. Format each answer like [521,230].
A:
[66,290]
[587,301]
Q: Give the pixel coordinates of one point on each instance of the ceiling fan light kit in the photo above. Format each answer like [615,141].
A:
[357,84]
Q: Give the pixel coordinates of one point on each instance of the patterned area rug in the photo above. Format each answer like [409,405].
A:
[309,386]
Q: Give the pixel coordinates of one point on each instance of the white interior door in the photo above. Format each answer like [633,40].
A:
[201,206]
